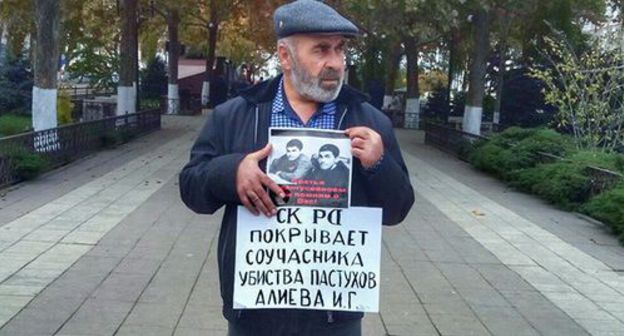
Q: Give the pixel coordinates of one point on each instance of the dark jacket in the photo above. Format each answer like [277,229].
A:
[239,127]
[338,176]
[289,170]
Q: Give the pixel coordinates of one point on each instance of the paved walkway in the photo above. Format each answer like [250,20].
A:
[105,247]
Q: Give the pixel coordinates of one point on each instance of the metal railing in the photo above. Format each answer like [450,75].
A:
[186,104]
[78,92]
[59,146]
[450,140]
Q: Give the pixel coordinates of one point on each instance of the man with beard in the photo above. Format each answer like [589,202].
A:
[329,168]
[225,168]
[293,164]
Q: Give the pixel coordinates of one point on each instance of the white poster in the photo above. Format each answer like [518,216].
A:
[309,258]
[313,167]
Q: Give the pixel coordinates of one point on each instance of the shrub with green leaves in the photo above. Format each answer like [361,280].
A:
[111,139]
[610,161]
[16,83]
[27,165]
[608,207]
[586,89]
[517,148]
[13,124]
[514,156]
[494,159]
[149,104]
[563,183]
[154,79]
[513,135]
[64,108]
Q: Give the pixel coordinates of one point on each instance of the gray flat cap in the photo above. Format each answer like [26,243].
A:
[309,17]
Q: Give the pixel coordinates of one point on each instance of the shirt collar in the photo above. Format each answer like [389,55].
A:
[281,104]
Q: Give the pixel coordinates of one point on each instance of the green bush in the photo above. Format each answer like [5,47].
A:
[494,159]
[154,79]
[610,161]
[608,207]
[513,135]
[517,148]
[513,155]
[64,108]
[111,139]
[547,140]
[16,83]
[149,104]
[563,183]
[13,124]
[465,149]
[27,165]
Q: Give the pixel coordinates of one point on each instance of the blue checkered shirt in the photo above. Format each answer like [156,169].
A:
[283,115]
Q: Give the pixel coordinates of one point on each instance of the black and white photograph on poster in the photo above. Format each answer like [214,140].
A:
[313,167]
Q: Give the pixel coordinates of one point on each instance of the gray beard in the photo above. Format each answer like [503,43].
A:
[310,87]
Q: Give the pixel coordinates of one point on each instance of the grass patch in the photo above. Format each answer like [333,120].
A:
[11,124]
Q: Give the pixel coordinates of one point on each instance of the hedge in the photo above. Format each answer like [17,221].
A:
[514,155]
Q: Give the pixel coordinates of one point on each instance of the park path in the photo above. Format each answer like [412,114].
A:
[106,247]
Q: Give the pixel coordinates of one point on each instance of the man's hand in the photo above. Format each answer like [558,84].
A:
[366,145]
[251,181]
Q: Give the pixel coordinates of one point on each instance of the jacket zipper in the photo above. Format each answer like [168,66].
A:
[256,128]
[344,113]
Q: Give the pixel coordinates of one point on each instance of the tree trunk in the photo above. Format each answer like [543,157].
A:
[412,104]
[173,96]
[500,82]
[500,77]
[1,40]
[621,34]
[473,110]
[126,89]
[451,71]
[32,38]
[45,64]
[213,29]
[394,60]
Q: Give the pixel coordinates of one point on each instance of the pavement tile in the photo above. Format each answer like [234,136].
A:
[504,321]
[97,317]
[155,314]
[422,329]
[46,235]
[502,278]
[201,332]
[122,287]
[138,266]
[201,317]
[372,325]
[20,290]
[458,325]
[134,330]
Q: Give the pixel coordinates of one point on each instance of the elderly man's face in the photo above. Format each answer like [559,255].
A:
[318,65]
[292,153]
[326,160]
